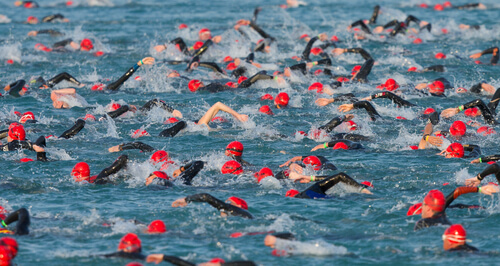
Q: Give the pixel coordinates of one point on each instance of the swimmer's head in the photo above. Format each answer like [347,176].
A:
[232,167]
[157,227]
[390,85]
[115,106]
[241,79]
[351,125]
[60,105]
[472,112]
[26,116]
[313,161]
[231,66]
[159,156]
[455,150]
[86,45]
[292,193]
[429,111]
[11,244]
[32,20]
[266,110]
[197,45]
[434,202]
[436,87]
[340,146]
[355,70]
[458,129]
[81,171]
[156,174]
[263,173]
[234,148]
[316,86]
[17,133]
[454,236]
[238,202]
[5,256]
[281,100]
[194,85]
[415,209]
[130,243]
[204,34]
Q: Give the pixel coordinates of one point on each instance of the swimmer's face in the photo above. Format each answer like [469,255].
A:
[150,179]
[205,36]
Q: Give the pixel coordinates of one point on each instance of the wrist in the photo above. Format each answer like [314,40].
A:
[314,63]
[479,178]
[479,190]
[4,224]
[312,178]
[325,145]
[480,160]
[426,137]
[460,108]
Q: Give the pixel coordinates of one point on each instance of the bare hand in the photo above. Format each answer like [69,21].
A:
[447,113]
[324,101]
[378,29]
[489,189]
[270,241]
[475,161]
[180,203]
[421,86]
[320,146]
[296,168]
[177,113]
[323,37]
[436,141]
[156,258]
[475,56]
[160,48]
[338,51]
[243,22]
[114,148]
[32,33]
[148,61]
[472,182]
[346,107]
[217,39]
[366,191]
[348,117]
[176,173]
[242,118]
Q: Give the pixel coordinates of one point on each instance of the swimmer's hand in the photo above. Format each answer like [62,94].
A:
[324,101]
[378,29]
[294,159]
[176,173]
[217,39]
[447,113]
[475,161]
[366,191]
[488,88]
[146,61]
[338,51]
[296,168]
[160,48]
[475,56]
[490,189]
[114,149]
[298,177]
[421,86]
[320,146]
[436,141]
[346,107]
[156,258]
[472,182]
[32,33]
[38,148]
[177,113]
[180,203]
[241,117]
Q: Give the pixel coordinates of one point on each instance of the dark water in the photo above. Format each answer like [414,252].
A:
[351,228]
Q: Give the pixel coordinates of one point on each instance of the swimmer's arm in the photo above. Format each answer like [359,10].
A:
[157,258]
[488,158]
[436,141]
[360,51]
[132,145]
[474,150]
[145,61]
[294,159]
[260,31]
[117,165]
[324,101]
[491,169]
[362,25]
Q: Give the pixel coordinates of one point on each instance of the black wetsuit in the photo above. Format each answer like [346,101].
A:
[319,189]
[22,217]
[490,158]
[40,82]
[180,262]
[240,160]
[190,171]
[393,97]
[51,32]
[156,103]
[77,127]
[495,52]
[486,112]
[465,247]
[126,255]
[351,144]
[101,178]
[137,145]
[368,107]
[173,130]
[491,169]
[25,144]
[440,218]
[219,205]
[53,18]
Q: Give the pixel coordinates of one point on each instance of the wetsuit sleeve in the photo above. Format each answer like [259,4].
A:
[156,103]
[217,87]
[307,50]
[259,76]
[116,113]
[494,101]
[77,127]
[475,150]
[62,43]
[260,31]
[373,19]
[326,61]
[126,255]
[322,186]
[411,18]
[491,169]
[17,145]
[363,26]
[4,133]
[50,18]
[490,158]
[458,192]
[368,107]
[219,205]
[472,5]
[485,111]
[360,51]
[333,123]
[398,29]
[51,32]
[115,85]
[60,77]
[190,171]
[203,48]
[22,217]
[494,51]
[173,130]
[117,165]
[177,261]
[181,44]
[365,70]
[136,145]
[302,67]
[393,97]
[213,66]
[391,23]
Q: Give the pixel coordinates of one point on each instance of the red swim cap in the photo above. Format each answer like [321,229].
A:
[303,36]
[316,86]
[390,85]
[204,34]
[313,161]
[81,170]
[227,59]
[5,256]
[292,193]
[157,227]
[282,99]
[423,5]
[161,174]
[444,31]
[219,119]
[11,244]
[316,51]
[98,87]
[486,130]
[401,118]
[231,66]
[455,234]
[89,117]
[456,150]
[231,167]
[412,69]
[416,209]
[32,20]
[159,156]
[318,72]
[139,133]
[334,38]
[130,243]
[435,200]
[232,84]
[239,202]
[355,70]
[458,128]
[263,173]
[27,116]
[3,212]
[343,79]
[42,47]
[440,56]
[217,260]
[171,120]
[267,97]
[413,147]
[436,87]
[197,45]
[367,183]
[99,53]
[86,45]
[10,61]
[351,125]
[25,160]
[438,7]
[266,110]
[115,106]
[472,112]
[183,26]
[429,111]
[194,85]
[447,4]
[235,148]
[17,132]
[134,263]
[241,79]
[417,41]
[340,145]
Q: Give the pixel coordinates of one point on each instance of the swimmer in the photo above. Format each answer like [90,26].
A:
[320,188]
[128,248]
[233,206]
[454,239]
[81,171]
[16,140]
[114,86]
[21,216]
[235,151]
